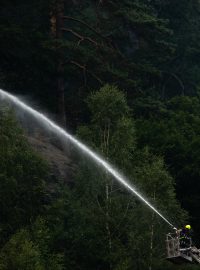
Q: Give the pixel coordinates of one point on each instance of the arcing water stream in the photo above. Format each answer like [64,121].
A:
[65,135]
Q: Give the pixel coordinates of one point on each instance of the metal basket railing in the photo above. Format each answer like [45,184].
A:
[173,245]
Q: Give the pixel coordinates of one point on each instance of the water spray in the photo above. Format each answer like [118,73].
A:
[100,161]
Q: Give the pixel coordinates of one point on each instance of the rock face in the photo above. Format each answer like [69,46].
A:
[61,168]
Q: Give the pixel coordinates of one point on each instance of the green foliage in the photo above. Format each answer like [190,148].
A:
[146,47]
[42,236]
[25,61]
[150,49]
[172,130]
[126,234]
[107,105]
[160,187]
[25,251]
[184,20]
[22,175]
[20,253]
[123,43]
[111,125]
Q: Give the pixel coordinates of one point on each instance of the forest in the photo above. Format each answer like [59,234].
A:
[124,78]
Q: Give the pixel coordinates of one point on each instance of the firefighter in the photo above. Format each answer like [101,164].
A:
[185,237]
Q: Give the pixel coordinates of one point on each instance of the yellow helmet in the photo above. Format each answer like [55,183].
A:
[188,227]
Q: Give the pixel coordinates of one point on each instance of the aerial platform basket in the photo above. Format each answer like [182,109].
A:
[179,255]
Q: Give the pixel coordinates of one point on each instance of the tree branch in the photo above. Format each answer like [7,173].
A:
[87,25]
[86,70]
[176,78]
[109,42]
[101,209]
[81,38]
[125,213]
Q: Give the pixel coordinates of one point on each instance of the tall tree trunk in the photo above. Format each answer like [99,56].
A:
[152,236]
[151,243]
[60,67]
[107,214]
[105,150]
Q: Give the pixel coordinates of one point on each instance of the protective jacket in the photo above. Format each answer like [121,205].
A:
[185,238]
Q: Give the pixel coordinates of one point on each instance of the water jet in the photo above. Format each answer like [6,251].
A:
[85,149]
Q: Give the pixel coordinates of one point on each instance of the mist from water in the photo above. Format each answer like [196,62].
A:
[64,135]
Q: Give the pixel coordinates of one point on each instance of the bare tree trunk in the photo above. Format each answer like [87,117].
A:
[61,96]
[152,236]
[60,68]
[151,243]
[107,215]
[105,150]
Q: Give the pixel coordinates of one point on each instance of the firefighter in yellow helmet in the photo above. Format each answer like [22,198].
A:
[185,237]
